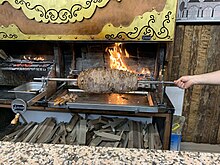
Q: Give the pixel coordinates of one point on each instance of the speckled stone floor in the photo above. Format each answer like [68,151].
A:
[25,153]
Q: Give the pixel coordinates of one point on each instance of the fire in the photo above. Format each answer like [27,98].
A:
[145,71]
[116,53]
[126,54]
[34,58]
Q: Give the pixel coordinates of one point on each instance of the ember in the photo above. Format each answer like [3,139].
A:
[26,65]
[33,58]
[145,71]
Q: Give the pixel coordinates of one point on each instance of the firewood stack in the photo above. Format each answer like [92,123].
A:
[103,131]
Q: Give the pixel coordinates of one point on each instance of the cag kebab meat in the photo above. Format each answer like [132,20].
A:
[102,80]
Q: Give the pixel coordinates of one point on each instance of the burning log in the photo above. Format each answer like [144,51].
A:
[101,80]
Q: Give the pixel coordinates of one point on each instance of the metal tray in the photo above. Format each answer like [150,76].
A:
[28,90]
[113,101]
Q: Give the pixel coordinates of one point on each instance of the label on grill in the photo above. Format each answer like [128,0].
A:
[18,106]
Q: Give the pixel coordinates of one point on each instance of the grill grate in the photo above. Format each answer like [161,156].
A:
[25,65]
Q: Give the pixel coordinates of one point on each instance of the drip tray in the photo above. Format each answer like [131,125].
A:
[124,102]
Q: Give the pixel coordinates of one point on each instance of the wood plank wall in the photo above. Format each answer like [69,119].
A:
[196,50]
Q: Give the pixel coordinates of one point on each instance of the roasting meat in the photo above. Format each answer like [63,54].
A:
[101,80]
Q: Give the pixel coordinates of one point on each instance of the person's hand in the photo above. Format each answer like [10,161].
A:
[185,82]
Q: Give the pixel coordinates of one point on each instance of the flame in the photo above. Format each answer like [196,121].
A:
[126,54]
[34,58]
[145,71]
[116,61]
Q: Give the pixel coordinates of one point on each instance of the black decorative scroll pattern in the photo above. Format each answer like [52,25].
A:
[147,30]
[4,35]
[63,14]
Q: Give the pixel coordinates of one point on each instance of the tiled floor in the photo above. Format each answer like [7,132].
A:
[188,146]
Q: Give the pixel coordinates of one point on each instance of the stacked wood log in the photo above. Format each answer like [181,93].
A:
[103,131]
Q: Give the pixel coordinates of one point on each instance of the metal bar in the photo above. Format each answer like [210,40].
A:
[13,91]
[56,79]
[156,82]
[75,80]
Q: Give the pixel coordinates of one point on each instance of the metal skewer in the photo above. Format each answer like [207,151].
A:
[155,82]
[75,80]
[55,79]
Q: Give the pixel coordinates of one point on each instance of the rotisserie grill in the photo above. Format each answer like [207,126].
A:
[89,61]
